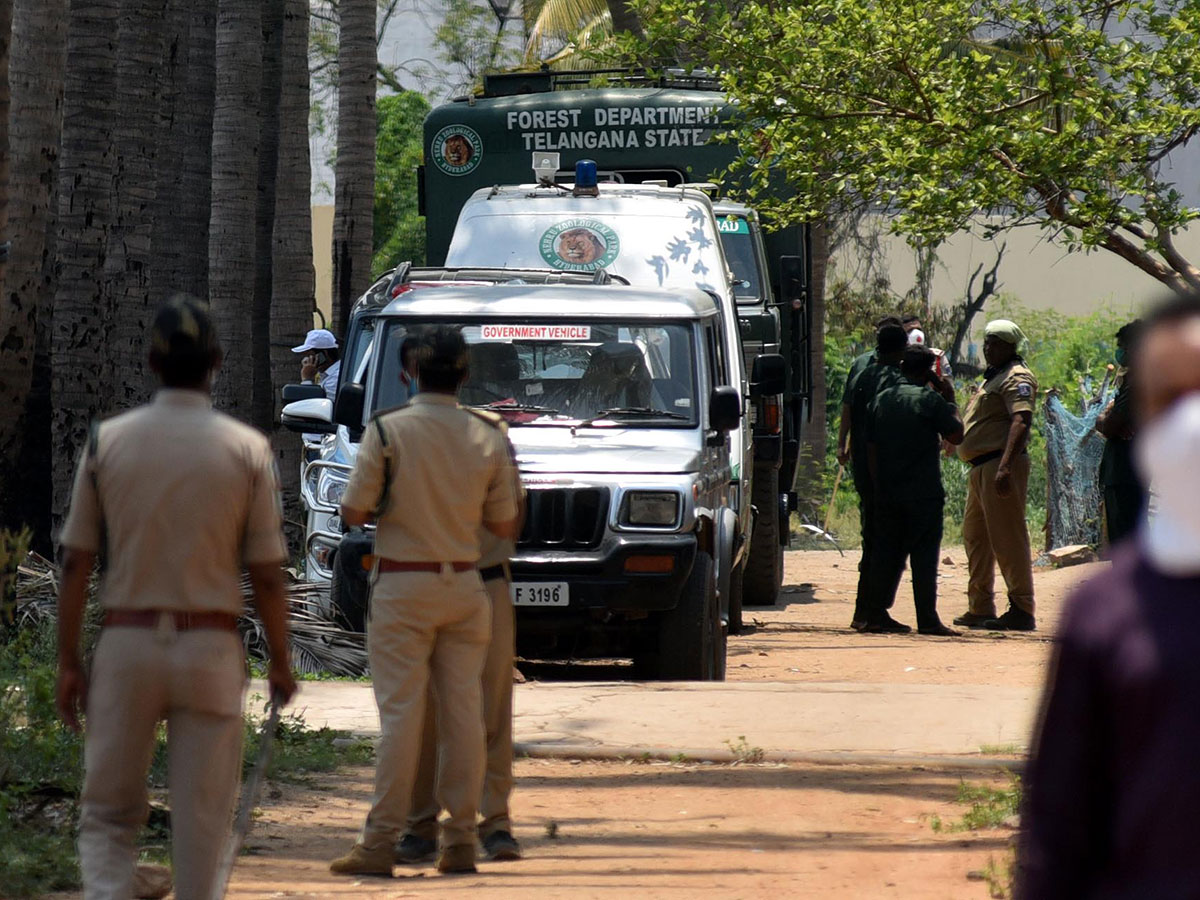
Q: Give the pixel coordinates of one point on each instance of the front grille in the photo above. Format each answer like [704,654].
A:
[565,518]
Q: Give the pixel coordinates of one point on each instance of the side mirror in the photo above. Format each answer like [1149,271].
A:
[294,392]
[311,416]
[724,408]
[793,282]
[348,408]
[768,376]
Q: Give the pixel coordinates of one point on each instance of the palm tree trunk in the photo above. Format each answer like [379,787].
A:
[354,172]
[79,342]
[263,405]
[234,194]
[129,261]
[39,43]
[292,275]
[182,205]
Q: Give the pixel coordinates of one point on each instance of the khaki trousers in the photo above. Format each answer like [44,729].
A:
[995,531]
[497,686]
[427,629]
[194,680]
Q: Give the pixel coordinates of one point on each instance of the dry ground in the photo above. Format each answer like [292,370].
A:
[635,830]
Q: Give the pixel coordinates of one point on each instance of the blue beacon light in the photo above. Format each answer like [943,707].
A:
[585,179]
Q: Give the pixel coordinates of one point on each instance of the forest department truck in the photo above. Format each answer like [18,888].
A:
[644,138]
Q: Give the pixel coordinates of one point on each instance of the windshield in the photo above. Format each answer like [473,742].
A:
[647,248]
[738,244]
[556,372]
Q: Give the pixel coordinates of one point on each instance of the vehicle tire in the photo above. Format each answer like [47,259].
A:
[720,645]
[687,633]
[736,589]
[764,563]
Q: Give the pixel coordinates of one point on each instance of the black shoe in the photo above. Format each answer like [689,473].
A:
[413,850]
[973,620]
[885,624]
[939,630]
[1013,620]
[857,624]
[501,846]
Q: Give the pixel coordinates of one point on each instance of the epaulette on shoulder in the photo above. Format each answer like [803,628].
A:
[380,413]
[492,418]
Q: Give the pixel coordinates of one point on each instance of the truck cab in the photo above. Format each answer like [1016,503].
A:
[620,414]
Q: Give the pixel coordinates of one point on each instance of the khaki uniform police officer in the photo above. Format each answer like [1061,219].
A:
[437,473]
[182,498]
[495,828]
[996,431]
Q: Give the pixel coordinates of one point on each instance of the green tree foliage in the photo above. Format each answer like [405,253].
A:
[399,230]
[1057,113]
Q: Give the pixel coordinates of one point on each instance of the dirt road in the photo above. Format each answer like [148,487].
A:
[636,829]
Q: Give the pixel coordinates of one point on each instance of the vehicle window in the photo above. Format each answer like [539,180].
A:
[553,372]
[361,334]
[716,355]
[738,243]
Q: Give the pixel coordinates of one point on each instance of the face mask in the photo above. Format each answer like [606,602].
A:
[1166,453]
[1122,356]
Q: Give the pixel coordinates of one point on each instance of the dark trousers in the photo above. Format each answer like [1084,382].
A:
[866,521]
[907,531]
[1123,504]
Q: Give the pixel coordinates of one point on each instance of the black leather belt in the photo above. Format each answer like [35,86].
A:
[988,457]
[496,571]
[985,458]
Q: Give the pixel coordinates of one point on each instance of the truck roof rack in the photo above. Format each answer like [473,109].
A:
[406,273]
[544,80]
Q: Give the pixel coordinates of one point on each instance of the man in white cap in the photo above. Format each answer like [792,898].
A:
[995,437]
[321,365]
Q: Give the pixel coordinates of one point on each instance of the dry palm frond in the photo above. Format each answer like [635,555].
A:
[318,644]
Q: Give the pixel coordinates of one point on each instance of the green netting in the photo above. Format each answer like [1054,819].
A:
[1073,450]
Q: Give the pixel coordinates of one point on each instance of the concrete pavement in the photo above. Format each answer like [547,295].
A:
[830,720]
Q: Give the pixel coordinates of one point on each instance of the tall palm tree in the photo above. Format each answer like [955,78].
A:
[81,316]
[129,260]
[234,195]
[561,32]
[263,401]
[184,149]
[354,171]
[292,276]
[39,41]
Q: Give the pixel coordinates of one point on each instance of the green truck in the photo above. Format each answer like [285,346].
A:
[648,132]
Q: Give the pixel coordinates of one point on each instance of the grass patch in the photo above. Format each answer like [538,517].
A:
[744,753]
[41,769]
[989,807]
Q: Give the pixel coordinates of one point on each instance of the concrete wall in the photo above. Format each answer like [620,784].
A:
[1041,275]
[322,238]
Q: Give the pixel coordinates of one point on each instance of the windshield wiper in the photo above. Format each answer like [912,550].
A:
[513,406]
[632,412]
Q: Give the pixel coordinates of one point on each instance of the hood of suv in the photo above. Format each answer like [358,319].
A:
[606,450]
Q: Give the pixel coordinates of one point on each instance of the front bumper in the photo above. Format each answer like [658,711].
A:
[598,580]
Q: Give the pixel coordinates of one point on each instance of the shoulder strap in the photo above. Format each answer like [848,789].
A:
[385,492]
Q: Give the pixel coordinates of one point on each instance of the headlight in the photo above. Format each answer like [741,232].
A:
[653,508]
[321,552]
[330,487]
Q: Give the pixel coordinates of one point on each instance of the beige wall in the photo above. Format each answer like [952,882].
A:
[1039,274]
[322,238]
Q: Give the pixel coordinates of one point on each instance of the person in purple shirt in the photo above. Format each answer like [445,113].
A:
[1112,800]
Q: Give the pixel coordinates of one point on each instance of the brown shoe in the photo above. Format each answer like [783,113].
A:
[457,859]
[364,861]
